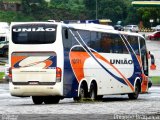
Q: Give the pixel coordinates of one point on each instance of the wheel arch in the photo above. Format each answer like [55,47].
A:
[83,82]
[137,81]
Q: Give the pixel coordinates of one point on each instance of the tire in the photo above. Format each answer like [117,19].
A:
[82,94]
[99,97]
[37,100]
[51,100]
[135,95]
[76,99]
[93,92]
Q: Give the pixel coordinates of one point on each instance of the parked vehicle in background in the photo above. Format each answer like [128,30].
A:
[4,27]
[131,28]
[154,36]
[4,30]
[4,44]
[119,27]
[157,28]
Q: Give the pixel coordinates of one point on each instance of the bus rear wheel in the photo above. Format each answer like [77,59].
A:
[37,100]
[51,100]
[135,95]
[82,93]
[93,92]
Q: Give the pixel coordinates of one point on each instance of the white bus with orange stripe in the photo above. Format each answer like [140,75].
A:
[52,60]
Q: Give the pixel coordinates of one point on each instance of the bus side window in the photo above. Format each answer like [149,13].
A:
[105,44]
[95,41]
[67,41]
[118,46]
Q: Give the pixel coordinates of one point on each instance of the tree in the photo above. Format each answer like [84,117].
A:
[67,9]
[132,16]
[26,9]
[145,14]
[112,9]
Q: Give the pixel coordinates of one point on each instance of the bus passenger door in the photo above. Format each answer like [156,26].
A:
[144,59]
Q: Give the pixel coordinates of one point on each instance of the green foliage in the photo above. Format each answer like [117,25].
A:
[155,80]
[145,14]
[1,75]
[26,9]
[11,16]
[132,16]
[116,10]
[11,0]
[67,9]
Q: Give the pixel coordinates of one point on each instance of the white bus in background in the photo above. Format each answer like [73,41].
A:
[4,44]
[51,61]
[4,30]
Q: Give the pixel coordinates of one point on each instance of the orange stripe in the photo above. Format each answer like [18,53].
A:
[125,79]
[77,66]
[15,59]
[144,84]
[77,60]
[48,63]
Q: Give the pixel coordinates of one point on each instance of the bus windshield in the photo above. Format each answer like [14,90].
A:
[34,33]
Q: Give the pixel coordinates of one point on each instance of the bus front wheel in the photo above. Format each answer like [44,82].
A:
[134,95]
[82,93]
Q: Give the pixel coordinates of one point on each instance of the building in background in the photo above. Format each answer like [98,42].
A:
[11,6]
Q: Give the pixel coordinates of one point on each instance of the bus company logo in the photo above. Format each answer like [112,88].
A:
[121,61]
[39,29]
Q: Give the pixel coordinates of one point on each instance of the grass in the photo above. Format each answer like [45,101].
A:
[155,80]
[1,75]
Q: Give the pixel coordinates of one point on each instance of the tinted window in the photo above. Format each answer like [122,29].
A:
[2,39]
[68,39]
[98,41]
[144,56]
[95,40]
[133,40]
[143,46]
[108,43]
[34,34]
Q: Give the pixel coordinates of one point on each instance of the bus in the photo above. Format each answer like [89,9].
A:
[50,61]
[4,44]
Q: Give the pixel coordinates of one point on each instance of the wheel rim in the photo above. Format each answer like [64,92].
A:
[92,94]
[82,94]
[136,91]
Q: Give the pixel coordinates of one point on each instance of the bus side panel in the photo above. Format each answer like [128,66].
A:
[70,82]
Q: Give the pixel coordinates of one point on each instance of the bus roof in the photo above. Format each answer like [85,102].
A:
[89,26]
[84,26]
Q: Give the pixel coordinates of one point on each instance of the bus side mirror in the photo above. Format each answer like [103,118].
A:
[153,66]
